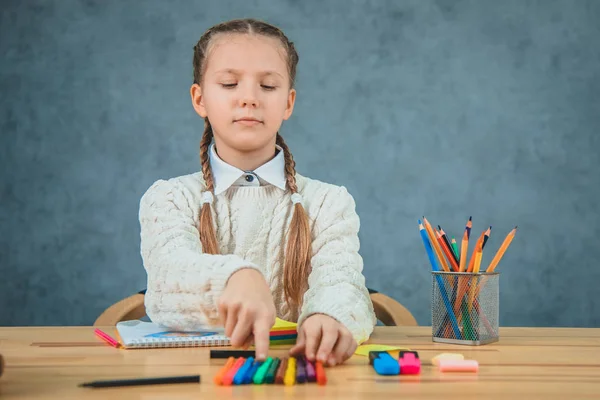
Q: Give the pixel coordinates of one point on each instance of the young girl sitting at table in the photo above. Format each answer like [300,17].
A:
[247,238]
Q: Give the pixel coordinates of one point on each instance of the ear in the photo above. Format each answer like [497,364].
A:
[198,100]
[291,100]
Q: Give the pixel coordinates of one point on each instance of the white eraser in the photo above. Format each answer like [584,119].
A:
[458,365]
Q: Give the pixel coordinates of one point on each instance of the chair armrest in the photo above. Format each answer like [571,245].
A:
[390,312]
[129,308]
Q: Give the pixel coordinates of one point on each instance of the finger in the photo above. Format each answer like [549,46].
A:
[339,353]
[328,339]
[352,349]
[300,344]
[222,309]
[231,321]
[262,327]
[248,342]
[313,338]
[242,330]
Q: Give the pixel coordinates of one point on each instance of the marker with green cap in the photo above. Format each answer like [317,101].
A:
[272,371]
[259,377]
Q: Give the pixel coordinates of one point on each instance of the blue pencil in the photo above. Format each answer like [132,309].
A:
[436,267]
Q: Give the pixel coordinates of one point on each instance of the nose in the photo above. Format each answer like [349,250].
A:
[248,98]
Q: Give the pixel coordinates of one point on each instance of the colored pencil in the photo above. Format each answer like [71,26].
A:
[445,238]
[447,251]
[478,255]
[443,292]
[486,237]
[469,226]
[463,252]
[477,246]
[455,249]
[476,264]
[501,250]
[436,247]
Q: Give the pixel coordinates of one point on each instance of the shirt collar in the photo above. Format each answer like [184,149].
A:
[225,175]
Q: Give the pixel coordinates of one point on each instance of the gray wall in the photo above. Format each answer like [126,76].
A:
[442,108]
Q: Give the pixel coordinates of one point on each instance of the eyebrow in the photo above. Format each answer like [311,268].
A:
[238,72]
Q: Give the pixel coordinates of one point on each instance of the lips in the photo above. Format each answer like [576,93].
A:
[247,119]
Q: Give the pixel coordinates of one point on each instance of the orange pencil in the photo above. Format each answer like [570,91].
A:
[501,250]
[476,263]
[469,226]
[435,245]
[477,246]
[447,251]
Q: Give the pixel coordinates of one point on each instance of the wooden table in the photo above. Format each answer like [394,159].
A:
[528,363]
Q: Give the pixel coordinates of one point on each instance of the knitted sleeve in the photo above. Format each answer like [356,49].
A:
[336,285]
[183,283]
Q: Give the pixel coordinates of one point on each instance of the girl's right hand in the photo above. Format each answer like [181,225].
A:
[247,311]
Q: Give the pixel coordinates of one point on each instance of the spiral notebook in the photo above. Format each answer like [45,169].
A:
[140,334]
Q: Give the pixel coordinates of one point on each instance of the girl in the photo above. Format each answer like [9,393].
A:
[248,238]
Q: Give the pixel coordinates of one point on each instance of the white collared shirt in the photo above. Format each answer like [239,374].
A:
[226,175]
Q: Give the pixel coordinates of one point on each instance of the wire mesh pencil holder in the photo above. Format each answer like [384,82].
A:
[465,307]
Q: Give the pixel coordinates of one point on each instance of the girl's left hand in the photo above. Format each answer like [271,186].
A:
[323,338]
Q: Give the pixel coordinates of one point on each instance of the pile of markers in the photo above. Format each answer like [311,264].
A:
[408,363]
[287,371]
[283,332]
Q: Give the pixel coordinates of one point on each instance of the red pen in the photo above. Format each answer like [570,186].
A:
[106,338]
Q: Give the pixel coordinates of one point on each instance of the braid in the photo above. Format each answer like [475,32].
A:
[208,237]
[298,250]
[290,165]
[204,160]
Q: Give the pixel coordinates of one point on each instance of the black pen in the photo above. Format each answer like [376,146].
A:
[143,381]
[232,353]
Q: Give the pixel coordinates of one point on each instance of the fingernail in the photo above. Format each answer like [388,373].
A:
[310,356]
[261,356]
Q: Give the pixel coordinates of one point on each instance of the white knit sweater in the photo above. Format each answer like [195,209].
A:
[251,224]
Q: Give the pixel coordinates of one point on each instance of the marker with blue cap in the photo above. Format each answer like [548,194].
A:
[239,377]
[384,363]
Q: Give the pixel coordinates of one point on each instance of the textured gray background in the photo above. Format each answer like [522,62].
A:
[442,108]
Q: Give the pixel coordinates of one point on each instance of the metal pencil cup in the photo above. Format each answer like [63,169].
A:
[465,307]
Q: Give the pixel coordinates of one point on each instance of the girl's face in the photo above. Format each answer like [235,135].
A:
[245,92]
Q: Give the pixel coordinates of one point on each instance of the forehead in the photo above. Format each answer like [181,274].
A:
[247,53]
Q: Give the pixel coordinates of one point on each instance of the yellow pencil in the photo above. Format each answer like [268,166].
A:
[501,250]
[463,252]
[436,245]
[478,255]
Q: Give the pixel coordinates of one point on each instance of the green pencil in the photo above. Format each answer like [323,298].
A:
[454,248]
